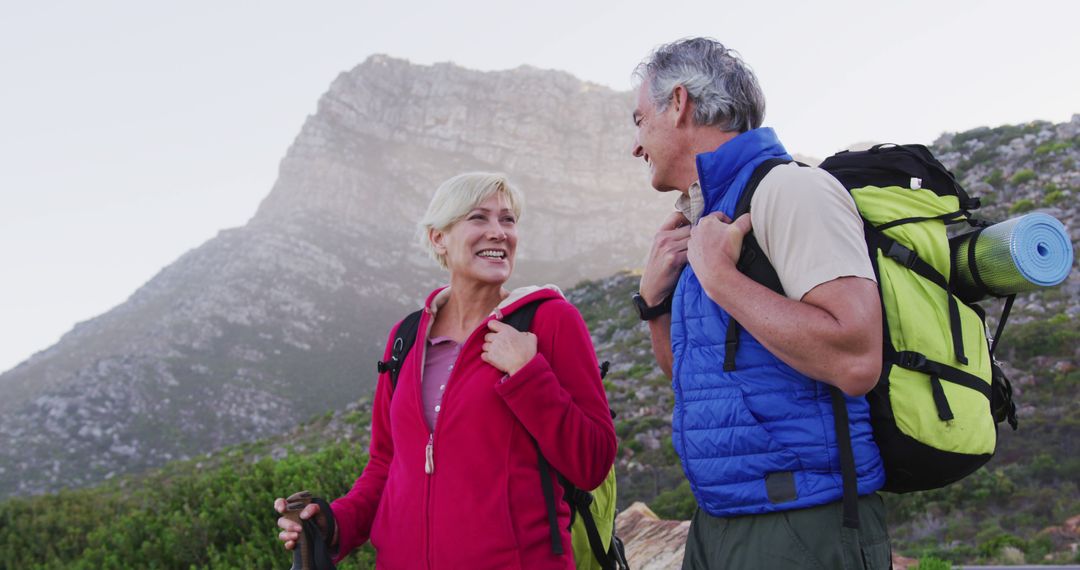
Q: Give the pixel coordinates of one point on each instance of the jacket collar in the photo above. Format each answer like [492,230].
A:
[517,298]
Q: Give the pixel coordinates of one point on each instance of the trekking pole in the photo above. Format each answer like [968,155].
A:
[293,505]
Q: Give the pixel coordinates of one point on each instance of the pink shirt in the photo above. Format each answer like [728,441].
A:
[439,363]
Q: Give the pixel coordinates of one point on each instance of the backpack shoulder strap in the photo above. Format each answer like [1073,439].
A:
[762,170]
[752,260]
[754,264]
[522,318]
[404,339]
[578,499]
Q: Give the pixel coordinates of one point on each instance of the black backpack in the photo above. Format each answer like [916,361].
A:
[579,500]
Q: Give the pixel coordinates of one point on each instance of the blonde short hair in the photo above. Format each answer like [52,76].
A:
[455,198]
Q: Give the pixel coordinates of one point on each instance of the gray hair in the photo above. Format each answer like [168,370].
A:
[456,197]
[724,90]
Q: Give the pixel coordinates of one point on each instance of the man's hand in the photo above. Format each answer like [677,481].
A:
[715,245]
[666,259]
[506,348]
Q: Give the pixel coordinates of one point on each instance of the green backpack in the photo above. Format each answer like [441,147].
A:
[940,395]
[592,513]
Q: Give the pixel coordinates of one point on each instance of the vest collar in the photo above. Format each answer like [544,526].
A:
[717,169]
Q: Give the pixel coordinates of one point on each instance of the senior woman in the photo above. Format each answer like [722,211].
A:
[453,478]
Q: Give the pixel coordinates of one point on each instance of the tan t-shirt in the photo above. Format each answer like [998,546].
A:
[807,225]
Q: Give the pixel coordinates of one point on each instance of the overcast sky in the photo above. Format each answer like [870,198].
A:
[131,132]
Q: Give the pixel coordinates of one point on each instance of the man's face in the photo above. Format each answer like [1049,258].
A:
[654,141]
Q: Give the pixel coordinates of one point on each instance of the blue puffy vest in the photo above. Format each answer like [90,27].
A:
[760,438]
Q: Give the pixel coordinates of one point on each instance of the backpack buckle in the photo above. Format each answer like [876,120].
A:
[902,255]
[912,360]
[581,498]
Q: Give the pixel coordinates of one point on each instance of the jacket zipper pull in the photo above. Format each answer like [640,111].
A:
[429,455]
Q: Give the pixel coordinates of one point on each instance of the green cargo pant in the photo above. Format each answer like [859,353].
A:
[812,538]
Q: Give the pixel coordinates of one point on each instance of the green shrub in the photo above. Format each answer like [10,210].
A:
[675,504]
[1022,205]
[1053,197]
[1056,336]
[1039,547]
[931,563]
[995,178]
[1022,176]
[1052,147]
[992,547]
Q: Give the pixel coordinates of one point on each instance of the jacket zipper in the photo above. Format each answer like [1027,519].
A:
[429,449]
[429,466]
[429,455]
[427,520]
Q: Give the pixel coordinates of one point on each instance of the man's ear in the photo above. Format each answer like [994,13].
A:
[682,106]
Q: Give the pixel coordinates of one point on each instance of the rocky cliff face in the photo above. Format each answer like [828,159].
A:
[269,323]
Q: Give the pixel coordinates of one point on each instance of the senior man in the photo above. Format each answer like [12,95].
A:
[753,422]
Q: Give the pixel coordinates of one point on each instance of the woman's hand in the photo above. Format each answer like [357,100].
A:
[506,348]
[290,530]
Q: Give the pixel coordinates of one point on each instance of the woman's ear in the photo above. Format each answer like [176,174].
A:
[438,240]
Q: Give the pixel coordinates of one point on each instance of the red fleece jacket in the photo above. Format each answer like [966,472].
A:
[482,506]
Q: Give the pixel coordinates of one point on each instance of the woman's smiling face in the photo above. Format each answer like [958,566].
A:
[480,247]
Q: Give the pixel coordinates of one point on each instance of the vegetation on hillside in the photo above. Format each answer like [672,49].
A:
[212,512]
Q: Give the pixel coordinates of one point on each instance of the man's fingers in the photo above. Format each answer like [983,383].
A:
[673,239]
[497,325]
[279,505]
[720,216]
[679,257]
[743,223]
[674,221]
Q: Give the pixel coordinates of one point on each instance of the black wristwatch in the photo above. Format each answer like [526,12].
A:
[648,313]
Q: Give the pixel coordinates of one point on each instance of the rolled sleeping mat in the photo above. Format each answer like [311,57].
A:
[1021,254]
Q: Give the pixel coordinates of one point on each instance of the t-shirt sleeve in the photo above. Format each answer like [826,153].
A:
[809,228]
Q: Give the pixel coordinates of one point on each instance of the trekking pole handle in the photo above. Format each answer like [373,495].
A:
[293,505]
